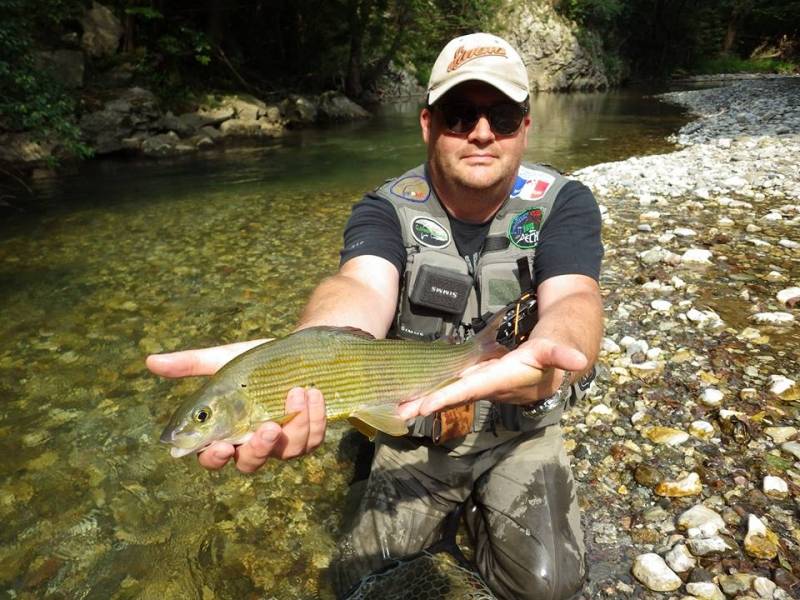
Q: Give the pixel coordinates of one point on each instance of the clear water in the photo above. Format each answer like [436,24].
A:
[120,258]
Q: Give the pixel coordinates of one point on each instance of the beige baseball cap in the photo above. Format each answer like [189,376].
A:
[479,57]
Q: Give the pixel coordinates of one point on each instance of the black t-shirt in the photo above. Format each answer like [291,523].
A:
[569,241]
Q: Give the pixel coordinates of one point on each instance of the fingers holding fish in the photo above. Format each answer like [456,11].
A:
[251,455]
[199,361]
[216,455]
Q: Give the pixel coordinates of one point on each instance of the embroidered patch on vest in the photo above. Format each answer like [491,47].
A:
[531,184]
[524,228]
[429,233]
[413,187]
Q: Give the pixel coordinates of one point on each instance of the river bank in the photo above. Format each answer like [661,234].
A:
[696,405]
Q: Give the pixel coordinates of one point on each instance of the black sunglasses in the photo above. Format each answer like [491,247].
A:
[504,117]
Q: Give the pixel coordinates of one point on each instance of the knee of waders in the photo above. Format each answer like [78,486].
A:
[541,577]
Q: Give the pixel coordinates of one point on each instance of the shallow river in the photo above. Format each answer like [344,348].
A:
[121,258]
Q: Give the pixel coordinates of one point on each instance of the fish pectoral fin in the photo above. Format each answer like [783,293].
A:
[362,428]
[286,418]
[378,418]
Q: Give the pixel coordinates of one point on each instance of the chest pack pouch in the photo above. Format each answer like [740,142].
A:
[437,290]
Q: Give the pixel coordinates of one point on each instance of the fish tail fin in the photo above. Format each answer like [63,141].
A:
[507,328]
[486,338]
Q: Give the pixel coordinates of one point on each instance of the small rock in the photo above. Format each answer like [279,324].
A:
[702,430]
[679,559]
[779,384]
[651,570]
[775,487]
[700,517]
[792,448]
[666,435]
[661,305]
[735,584]
[773,318]
[780,435]
[717,546]
[760,542]
[688,486]
[711,397]
[696,256]
[705,591]
[789,296]
[764,587]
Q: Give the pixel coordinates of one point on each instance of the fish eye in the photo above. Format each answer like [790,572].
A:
[202,414]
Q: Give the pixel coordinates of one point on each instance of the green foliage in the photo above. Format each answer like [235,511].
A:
[30,100]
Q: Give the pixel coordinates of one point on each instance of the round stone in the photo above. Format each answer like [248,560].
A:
[651,570]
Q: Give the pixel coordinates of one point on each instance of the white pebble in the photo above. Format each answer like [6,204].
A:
[780,384]
[679,559]
[661,305]
[702,430]
[788,294]
[775,486]
[711,397]
[705,590]
[773,318]
[791,244]
[651,570]
[684,232]
[697,256]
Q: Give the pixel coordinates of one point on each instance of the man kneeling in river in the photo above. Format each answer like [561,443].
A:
[468,214]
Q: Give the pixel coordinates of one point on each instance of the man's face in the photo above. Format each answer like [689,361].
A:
[480,158]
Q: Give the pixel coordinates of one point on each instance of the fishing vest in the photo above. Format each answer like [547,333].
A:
[441,292]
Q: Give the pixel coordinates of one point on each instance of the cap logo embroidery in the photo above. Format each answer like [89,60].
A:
[462,55]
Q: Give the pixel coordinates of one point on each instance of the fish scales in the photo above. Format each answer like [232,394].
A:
[351,371]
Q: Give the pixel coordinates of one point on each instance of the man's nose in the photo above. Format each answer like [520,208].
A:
[482,132]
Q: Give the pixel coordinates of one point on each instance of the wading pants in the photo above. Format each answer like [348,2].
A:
[522,513]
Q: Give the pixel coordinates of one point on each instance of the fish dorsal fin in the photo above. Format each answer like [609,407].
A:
[370,420]
[354,331]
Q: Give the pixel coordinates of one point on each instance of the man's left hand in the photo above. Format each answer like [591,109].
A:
[532,372]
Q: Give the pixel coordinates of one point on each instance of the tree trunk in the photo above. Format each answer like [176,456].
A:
[358,17]
[740,10]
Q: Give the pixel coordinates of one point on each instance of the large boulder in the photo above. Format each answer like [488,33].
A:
[396,83]
[547,42]
[299,110]
[135,109]
[336,107]
[102,31]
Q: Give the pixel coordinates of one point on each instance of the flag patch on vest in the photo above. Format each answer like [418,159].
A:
[524,228]
[413,187]
[531,184]
[429,233]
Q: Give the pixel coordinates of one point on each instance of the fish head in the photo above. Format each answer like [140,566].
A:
[219,411]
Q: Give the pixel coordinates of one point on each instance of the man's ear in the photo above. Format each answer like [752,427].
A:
[425,122]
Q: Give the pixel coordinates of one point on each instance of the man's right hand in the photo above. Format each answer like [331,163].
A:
[299,436]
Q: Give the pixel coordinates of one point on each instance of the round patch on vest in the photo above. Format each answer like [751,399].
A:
[524,228]
[429,233]
[413,188]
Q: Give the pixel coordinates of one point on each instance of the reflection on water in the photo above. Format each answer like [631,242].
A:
[122,258]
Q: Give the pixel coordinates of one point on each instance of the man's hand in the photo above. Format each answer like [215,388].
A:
[531,372]
[300,436]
